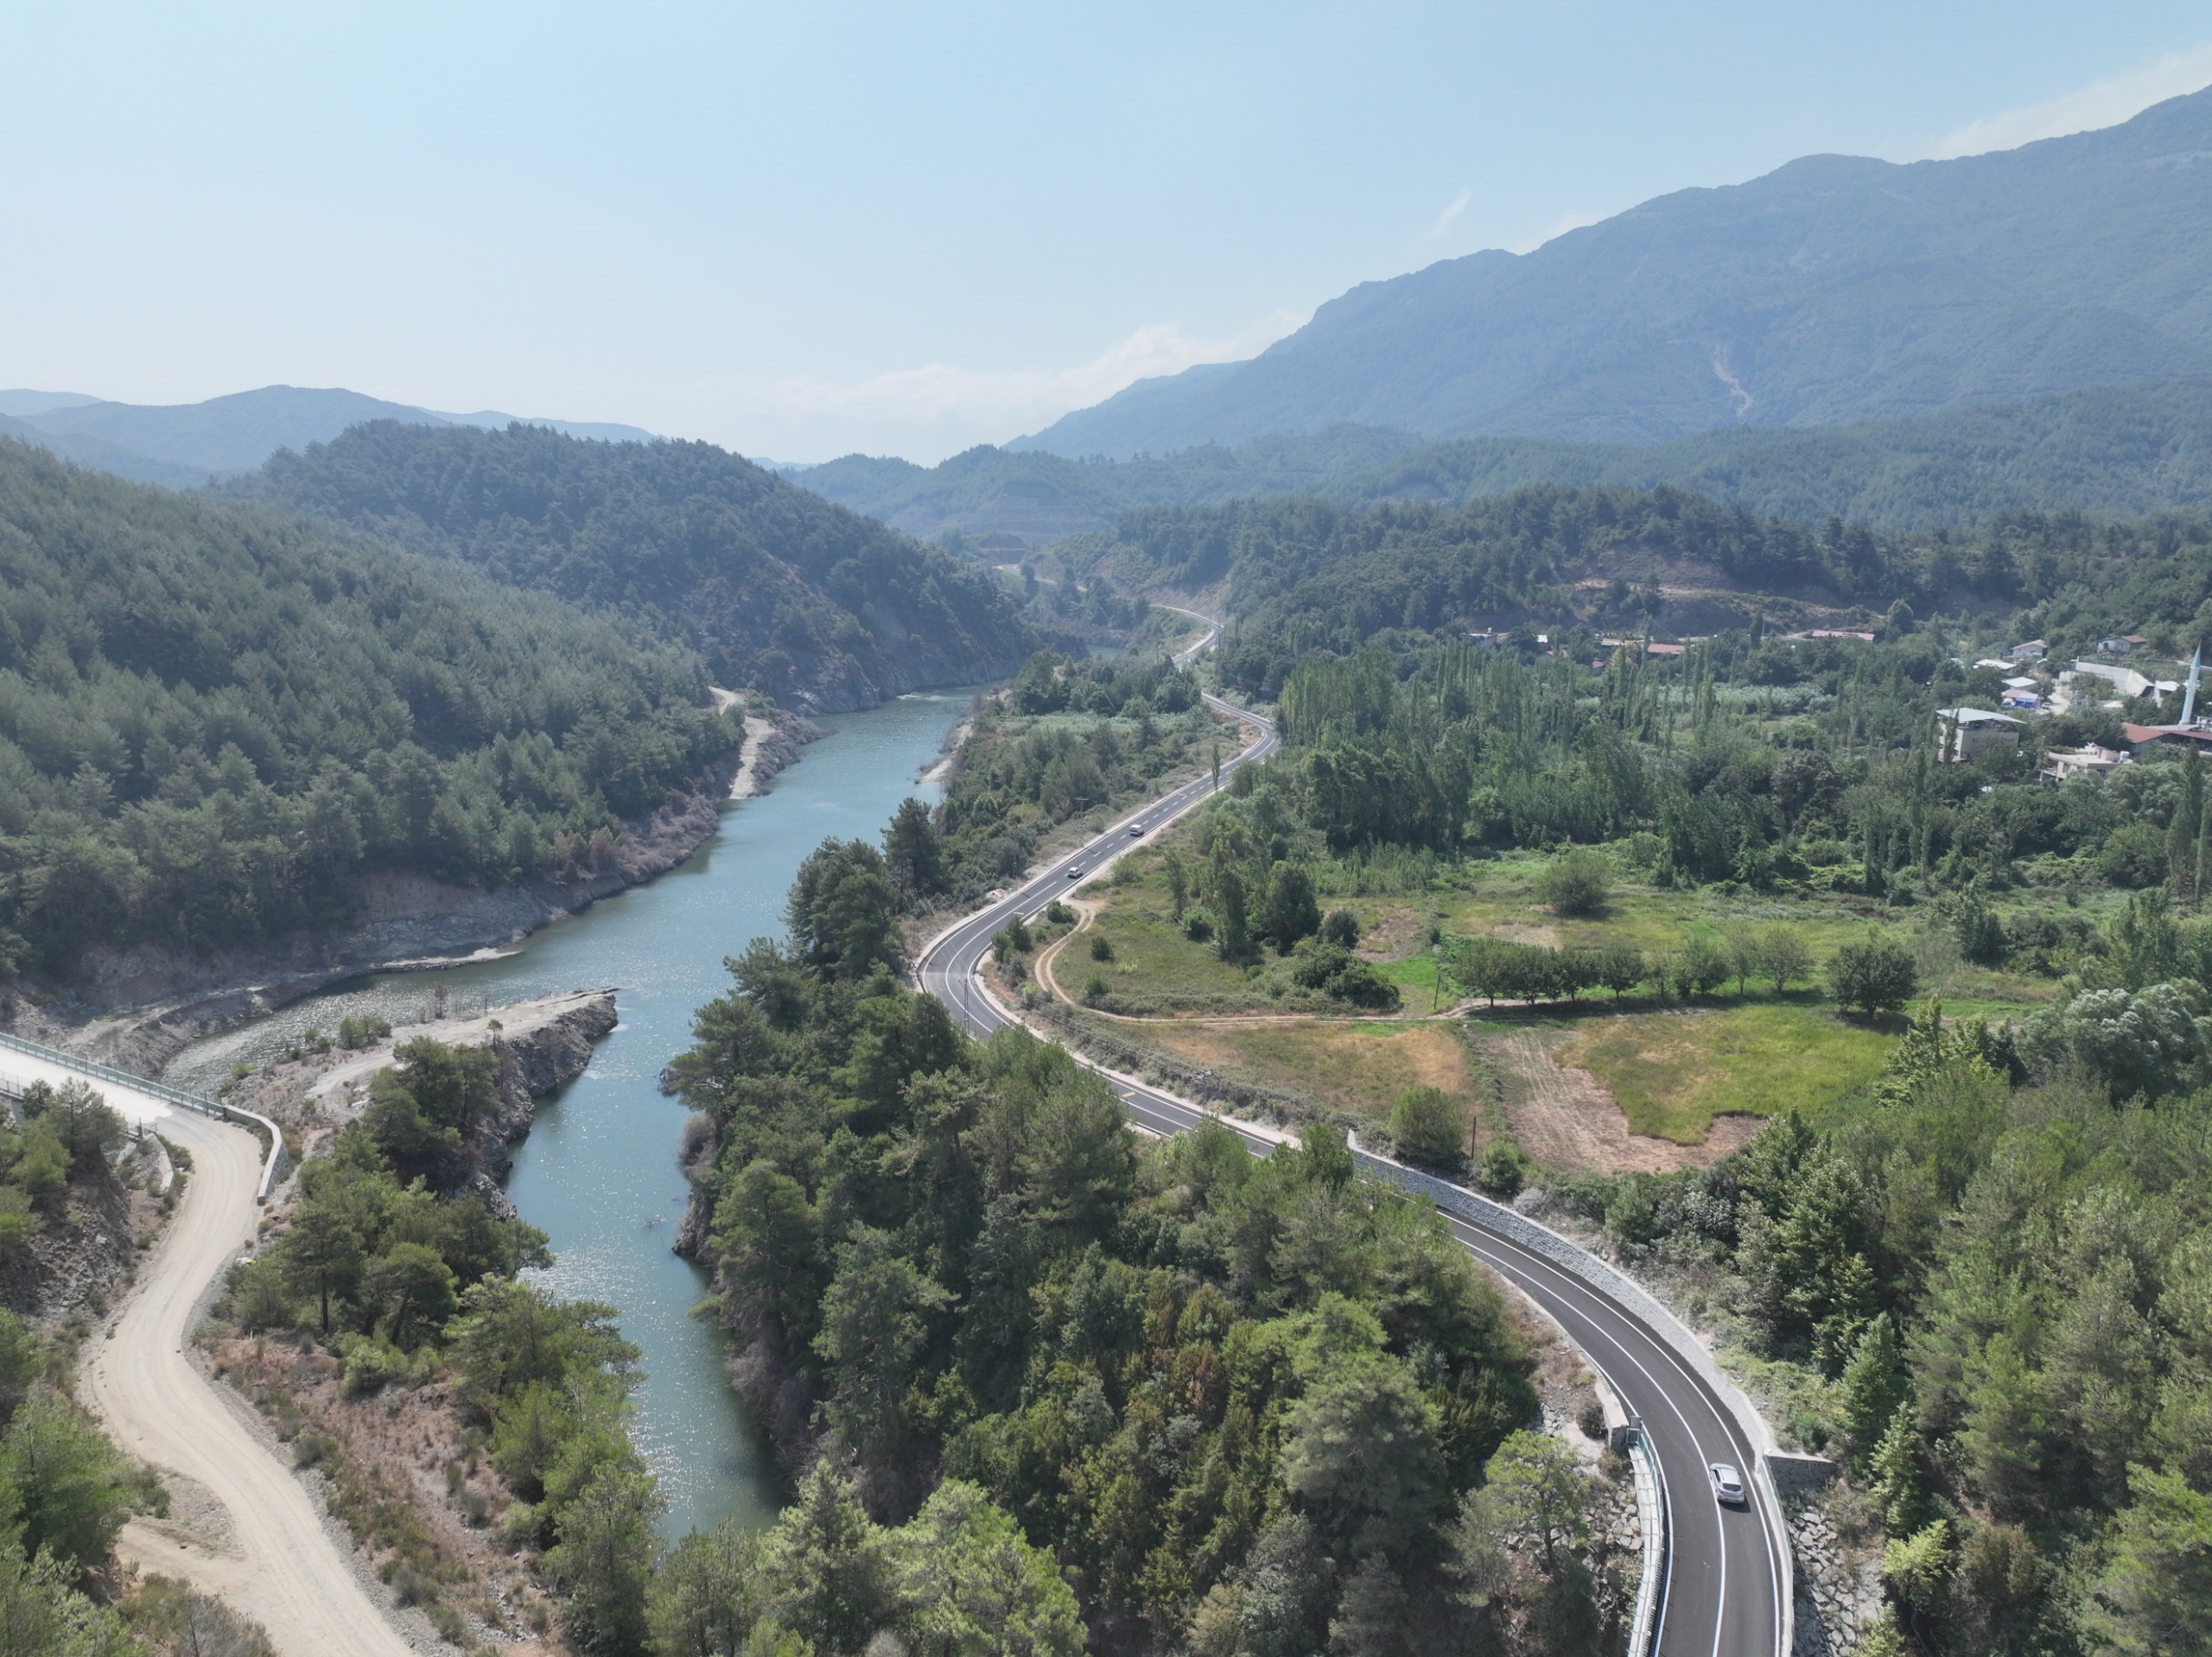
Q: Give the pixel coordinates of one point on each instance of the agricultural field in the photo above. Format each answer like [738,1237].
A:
[1645,1080]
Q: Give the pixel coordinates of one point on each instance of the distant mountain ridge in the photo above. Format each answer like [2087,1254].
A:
[1836,289]
[2112,452]
[184,445]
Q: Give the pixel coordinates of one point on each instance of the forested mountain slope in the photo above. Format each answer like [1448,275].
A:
[2110,451]
[774,586]
[1303,574]
[1835,288]
[1037,498]
[212,719]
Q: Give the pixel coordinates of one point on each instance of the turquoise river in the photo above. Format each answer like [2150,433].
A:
[598,1172]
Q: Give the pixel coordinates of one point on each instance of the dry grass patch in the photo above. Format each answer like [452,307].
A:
[1358,1068]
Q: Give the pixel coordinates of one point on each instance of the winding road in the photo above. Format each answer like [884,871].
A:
[1724,1592]
[275,1562]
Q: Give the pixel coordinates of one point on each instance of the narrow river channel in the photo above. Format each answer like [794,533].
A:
[598,1172]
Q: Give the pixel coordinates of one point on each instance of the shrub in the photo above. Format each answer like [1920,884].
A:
[1502,1170]
[1096,989]
[1100,948]
[1197,929]
[1876,974]
[2134,855]
[1428,1125]
[1578,883]
[1344,977]
[360,1032]
[1341,928]
[312,1449]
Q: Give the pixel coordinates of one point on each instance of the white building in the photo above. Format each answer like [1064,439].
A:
[1965,732]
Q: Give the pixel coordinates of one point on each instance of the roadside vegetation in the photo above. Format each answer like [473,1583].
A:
[1067,742]
[65,1489]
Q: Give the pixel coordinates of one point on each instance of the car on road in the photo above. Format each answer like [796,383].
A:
[1727,1485]
[1074,873]
[1136,831]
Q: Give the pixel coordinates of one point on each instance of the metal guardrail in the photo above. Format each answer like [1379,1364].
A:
[271,1165]
[1661,1322]
[1652,1510]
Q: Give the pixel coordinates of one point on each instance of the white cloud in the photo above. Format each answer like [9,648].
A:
[1445,219]
[2100,103]
[1006,400]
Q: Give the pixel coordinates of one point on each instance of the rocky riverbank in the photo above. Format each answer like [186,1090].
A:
[541,1046]
[135,1009]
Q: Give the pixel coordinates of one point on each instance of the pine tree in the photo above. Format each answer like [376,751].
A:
[2186,829]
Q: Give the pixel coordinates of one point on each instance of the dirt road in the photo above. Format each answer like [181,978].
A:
[276,1563]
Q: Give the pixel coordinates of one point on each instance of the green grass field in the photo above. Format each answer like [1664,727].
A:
[1673,1072]
[1671,1069]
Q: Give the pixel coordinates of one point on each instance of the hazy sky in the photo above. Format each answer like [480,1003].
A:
[803,230]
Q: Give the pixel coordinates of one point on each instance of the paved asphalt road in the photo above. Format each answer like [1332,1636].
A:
[1726,1567]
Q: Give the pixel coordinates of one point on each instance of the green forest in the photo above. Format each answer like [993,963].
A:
[1976,1278]
[211,719]
[1066,736]
[1233,1404]
[1303,575]
[774,589]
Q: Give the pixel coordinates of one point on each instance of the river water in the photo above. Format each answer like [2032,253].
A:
[598,1172]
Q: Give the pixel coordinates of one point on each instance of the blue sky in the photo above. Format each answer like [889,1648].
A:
[800,231]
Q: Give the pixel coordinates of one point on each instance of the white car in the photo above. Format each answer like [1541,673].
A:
[1075,874]
[1727,1484]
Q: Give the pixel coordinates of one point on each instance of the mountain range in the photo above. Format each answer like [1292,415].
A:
[1835,291]
[2109,451]
[184,445]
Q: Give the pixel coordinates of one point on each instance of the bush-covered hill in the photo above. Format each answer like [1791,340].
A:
[2110,452]
[1037,498]
[773,587]
[211,718]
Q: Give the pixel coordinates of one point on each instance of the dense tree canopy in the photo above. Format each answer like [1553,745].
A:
[1168,1364]
[772,586]
[211,719]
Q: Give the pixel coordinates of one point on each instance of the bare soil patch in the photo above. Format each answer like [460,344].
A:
[1560,1115]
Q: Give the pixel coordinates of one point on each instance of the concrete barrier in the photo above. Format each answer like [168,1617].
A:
[271,1165]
